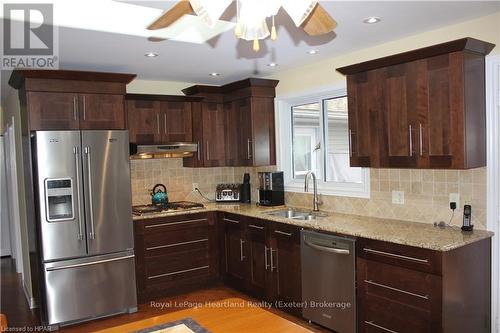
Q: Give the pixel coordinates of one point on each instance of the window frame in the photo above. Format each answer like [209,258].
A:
[285,151]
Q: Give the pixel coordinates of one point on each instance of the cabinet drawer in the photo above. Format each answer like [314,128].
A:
[410,257]
[383,315]
[177,264]
[171,223]
[399,284]
[176,241]
[285,231]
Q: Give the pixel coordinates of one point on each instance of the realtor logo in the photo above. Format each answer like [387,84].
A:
[29,36]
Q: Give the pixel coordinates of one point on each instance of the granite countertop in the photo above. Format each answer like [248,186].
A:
[416,234]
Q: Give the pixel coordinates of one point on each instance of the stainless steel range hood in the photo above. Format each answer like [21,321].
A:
[166,150]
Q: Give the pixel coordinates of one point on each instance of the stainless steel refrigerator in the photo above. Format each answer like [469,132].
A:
[83,200]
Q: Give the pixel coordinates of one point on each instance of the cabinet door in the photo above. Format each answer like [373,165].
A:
[197,159]
[53,111]
[398,127]
[364,106]
[143,121]
[235,254]
[238,125]
[285,266]
[100,111]
[213,134]
[263,141]
[443,125]
[176,121]
[259,258]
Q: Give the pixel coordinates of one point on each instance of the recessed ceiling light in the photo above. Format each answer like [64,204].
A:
[371,20]
[272,64]
[312,52]
[151,54]
[214,74]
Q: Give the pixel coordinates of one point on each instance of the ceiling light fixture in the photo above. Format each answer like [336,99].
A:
[371,20]
[272,64]
[214,74]
[312,52]
[251,16]
[151,54]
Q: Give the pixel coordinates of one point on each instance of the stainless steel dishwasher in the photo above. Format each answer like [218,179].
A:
[328,280]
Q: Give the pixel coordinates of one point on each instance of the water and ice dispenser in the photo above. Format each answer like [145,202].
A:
[59,199]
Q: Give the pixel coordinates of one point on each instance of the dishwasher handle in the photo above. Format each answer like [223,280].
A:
[326,248]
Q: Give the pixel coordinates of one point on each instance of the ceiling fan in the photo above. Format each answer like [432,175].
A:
[251,16]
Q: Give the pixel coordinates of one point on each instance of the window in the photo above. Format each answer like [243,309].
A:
[318,131]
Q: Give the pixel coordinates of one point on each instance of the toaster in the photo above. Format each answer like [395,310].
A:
[227,192]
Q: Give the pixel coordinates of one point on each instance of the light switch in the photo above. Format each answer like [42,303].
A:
[398,197]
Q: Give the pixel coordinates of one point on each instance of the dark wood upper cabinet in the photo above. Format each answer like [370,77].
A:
[177,121]
[143,121]
[249,125]
[420,109]
[102,111]
[71,100]
[54,111]
[156,119]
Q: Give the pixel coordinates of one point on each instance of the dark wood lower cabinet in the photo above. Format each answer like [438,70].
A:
[175,254]
[407,289]
[399,288]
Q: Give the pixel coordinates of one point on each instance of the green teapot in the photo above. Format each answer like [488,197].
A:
[159,195]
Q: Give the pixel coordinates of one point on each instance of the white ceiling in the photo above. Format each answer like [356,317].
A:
[234,59]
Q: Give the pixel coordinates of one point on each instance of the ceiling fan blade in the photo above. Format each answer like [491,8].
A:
[180,9]
[319,22]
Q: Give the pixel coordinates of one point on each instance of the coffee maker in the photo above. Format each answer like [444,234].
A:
[271,188]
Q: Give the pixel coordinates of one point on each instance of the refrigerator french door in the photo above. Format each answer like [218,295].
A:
[84,200]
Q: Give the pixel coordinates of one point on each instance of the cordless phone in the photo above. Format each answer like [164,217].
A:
[467,223]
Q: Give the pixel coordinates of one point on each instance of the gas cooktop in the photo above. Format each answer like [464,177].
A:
[171,207]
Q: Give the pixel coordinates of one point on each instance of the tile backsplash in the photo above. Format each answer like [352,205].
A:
[426,191]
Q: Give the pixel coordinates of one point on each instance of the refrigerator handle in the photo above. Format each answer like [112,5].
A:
[91,208]
[80,219]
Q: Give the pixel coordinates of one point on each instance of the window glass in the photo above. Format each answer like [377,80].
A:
[337,167]
[306,131]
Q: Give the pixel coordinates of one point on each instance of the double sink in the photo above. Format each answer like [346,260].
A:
[297,214]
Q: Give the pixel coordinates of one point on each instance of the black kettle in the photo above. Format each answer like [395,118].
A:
[159,195]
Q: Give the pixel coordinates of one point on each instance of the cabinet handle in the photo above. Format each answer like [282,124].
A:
[396,289]
[421,138]
[396,256]
[208,151]
[371,323]
[199,151]
[271,253]
[265,256]
[165,122]
[351,150]
[256,226]
[242,257]
[74,109]
[84,106]
[283,233]
[232,221]
[178,272]
[158,122]
[410,138]
[249,156]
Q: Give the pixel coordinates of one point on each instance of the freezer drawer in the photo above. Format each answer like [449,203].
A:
[81,289]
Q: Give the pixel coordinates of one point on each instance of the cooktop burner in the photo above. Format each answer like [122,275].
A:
[175,206]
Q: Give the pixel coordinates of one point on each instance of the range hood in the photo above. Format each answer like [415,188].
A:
[166,150]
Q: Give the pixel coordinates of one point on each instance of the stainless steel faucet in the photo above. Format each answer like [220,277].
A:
[315,189]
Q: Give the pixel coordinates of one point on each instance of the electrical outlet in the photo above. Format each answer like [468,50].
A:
[398,197]
[455,197]
[195,186]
